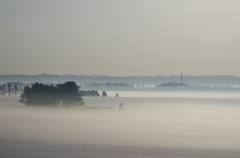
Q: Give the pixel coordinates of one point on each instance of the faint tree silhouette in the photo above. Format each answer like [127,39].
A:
[16,89]
[9,86]
[104,94]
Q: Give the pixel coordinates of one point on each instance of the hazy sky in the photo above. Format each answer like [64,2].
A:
[120,37]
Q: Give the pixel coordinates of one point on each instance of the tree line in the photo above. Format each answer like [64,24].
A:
[89,93]
[108,86]
[66,94]
[10,89]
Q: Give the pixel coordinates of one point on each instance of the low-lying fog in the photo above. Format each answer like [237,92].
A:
[152,119]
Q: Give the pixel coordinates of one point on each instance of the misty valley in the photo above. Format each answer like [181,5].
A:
[177,123]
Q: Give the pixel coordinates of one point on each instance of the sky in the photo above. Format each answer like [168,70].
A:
[120,37]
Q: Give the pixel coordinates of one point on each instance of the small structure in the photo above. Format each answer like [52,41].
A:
[121,109]
[117,95]
[181,78]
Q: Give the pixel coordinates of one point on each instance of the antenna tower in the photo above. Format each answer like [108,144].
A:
[181,78]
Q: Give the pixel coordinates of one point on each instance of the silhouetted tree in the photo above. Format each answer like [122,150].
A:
[39,94]
[16,89]
[9,86]
[104,94]
[1,90]
[68,93]
[4,89]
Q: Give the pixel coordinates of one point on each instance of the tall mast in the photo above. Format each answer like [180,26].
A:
[181,78]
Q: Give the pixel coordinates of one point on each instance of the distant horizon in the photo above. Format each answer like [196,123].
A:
[223,80]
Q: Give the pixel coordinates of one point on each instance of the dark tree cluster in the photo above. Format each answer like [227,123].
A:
[171,84]
[91,93]
[120,84]
[66,94]
[108,85]
[114,86]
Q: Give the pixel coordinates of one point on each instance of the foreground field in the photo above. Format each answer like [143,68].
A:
[174,128]
[21,149]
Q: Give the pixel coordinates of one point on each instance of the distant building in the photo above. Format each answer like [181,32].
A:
[181,78]
[121,109]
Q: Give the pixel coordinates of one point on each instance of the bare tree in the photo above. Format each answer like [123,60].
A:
[9,86]
[3,89]
[16,89]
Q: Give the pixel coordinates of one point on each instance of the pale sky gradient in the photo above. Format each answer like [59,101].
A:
[120,37]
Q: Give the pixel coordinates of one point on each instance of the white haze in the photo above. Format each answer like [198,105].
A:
[120,38]
[191,122]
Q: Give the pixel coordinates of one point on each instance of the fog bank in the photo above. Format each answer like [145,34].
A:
[169,124]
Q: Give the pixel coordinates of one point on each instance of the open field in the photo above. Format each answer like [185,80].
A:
[152,127]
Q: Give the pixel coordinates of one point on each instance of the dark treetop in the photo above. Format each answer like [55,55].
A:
[66,94]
